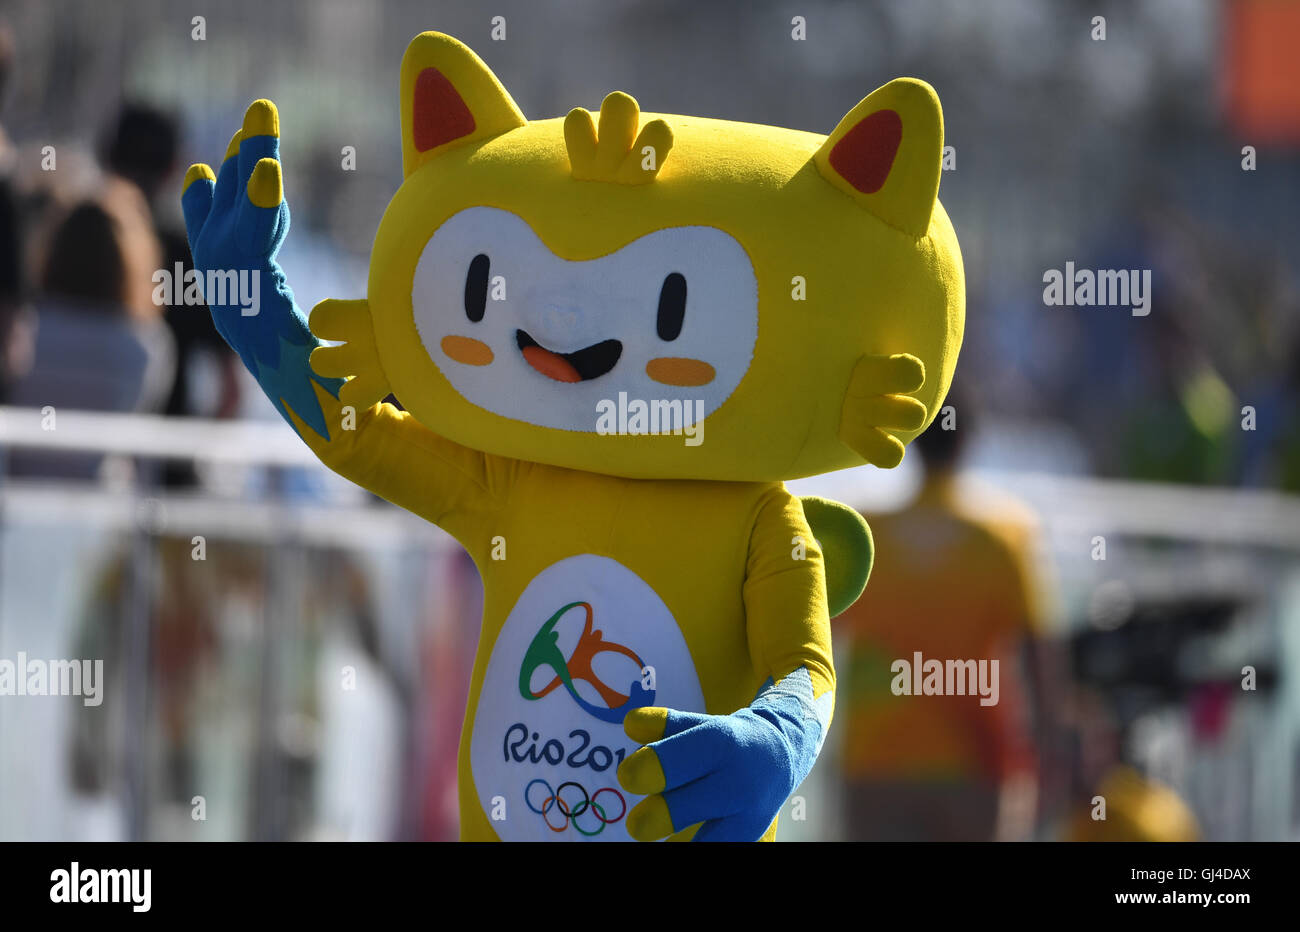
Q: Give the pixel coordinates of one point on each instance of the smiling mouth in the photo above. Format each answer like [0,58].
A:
[588,363]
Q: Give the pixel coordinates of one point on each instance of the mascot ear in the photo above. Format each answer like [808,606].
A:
[887,153]
[449,97]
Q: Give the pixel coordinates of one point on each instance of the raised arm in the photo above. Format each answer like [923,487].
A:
[237,220]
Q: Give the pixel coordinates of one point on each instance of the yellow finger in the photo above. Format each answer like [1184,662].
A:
[898,412]
[362,391]
[232,148]
[649,819]
[334,319]
[887,375]
[333,362]
[871,443]
[646,725]
[265,185]
[261,119]
[642,773]
[197,172]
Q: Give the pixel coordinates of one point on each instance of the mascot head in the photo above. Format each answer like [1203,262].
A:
[657,296]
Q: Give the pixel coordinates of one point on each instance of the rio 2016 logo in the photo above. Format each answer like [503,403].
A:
[544,651]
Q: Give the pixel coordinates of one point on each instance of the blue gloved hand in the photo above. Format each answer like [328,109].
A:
[236,221]
[731,772]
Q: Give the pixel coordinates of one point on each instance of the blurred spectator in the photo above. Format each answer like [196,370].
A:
[1185,428]
[953,580]
[1272,447]
[204,688]
[142,146]
[11,282]
[11,243]
[1153,394]
[100,344]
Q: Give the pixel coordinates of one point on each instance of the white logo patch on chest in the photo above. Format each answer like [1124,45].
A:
[587,641]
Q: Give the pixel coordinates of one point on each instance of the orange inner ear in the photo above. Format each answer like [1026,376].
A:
[440,113]
[865,154]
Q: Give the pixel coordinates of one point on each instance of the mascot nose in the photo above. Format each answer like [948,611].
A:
[560,323]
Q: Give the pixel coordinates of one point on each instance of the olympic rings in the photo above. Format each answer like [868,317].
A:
[571,811]
[621,801]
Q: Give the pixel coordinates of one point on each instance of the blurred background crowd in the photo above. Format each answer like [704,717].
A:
[1114,516]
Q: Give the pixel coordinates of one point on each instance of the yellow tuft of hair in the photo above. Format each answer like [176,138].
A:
[617,153]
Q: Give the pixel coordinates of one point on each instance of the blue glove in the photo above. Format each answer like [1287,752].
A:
[236,222]
[731,772]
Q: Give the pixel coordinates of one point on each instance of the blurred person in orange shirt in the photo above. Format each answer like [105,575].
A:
[954,580]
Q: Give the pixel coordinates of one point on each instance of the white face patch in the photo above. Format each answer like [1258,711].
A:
[566,336]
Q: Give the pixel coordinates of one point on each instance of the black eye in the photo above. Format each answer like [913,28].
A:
[672,306]
[476,282]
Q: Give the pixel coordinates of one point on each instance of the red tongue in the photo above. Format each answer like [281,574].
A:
[551,365]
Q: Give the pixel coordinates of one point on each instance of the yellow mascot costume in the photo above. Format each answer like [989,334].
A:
[614,337]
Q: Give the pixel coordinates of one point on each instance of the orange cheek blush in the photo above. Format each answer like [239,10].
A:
[467,350]
[676,370]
